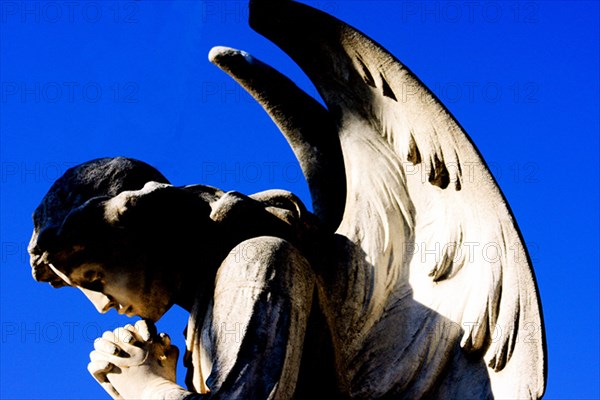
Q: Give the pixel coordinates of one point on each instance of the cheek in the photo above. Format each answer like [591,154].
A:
[153,303]
[148,295]
[158,293]
[125,289]
[159,297]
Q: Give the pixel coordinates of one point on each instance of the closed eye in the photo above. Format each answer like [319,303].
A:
[95,285]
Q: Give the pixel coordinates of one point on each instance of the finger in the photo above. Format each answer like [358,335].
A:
[122,350]
[99,369]
[131,345]
[133,330]
[106,346]
[135,350]
[99,356]
[146,329]
[165,339]
[117,361]
[129,327]
[128,336]
[123,335]
[108,335]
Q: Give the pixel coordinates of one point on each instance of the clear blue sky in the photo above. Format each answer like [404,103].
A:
[131,78]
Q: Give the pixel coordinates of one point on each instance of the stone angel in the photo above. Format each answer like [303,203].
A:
[409,280]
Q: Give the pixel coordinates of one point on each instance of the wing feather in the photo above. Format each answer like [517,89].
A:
[428,218]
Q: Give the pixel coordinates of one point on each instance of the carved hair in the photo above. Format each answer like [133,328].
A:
[101,178]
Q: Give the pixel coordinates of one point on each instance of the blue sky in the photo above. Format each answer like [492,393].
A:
[88,79]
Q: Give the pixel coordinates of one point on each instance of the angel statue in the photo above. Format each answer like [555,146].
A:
[409,280]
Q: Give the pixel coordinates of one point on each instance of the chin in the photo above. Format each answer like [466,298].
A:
[153,315]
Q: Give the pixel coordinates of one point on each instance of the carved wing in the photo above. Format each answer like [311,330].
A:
[419,205]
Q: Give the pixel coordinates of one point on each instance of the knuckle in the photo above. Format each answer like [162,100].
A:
[141,322]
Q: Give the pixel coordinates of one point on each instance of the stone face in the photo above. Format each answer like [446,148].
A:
[409,281]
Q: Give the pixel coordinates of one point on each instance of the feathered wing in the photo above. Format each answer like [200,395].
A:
[434,236]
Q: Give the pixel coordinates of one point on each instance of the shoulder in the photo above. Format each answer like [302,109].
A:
[265,263]
[263,249]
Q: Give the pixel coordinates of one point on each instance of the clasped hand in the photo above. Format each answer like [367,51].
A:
[134,362]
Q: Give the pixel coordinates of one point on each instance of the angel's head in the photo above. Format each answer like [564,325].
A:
[116,229]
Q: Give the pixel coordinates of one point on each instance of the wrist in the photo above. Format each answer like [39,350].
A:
[164,390]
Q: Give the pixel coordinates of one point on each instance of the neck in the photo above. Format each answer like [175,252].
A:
[197,268]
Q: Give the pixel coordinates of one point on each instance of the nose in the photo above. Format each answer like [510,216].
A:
[102,302]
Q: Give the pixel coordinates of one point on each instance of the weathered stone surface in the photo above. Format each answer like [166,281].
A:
[411,280]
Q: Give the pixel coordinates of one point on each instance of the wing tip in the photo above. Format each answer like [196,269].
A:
[221,56]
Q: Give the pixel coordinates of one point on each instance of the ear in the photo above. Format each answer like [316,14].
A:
[154,222]
[107,226]
[83,224]
[155,205]
[121,208]
[118,212]
[101,216]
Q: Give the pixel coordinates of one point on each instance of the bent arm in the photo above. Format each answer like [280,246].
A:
[256,329]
